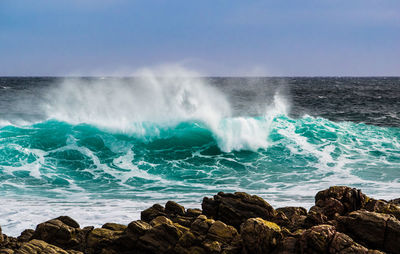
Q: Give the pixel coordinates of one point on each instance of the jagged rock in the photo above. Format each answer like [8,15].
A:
[212,247]
[62,232]
[128,239]
[221,232]
[114,226]
[260,236]
[193,212]
[381,206]
[395,201]
[152,212]
[201,225]
[374,230]
[236,208]
[339,200]
[26,235]
[1,236]
[325,239]
[6,251]
[315,218]
[41,247]
[292,218]
[174,208]
[161,238]
[99,238]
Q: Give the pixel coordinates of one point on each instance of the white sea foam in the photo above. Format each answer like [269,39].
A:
[156,100]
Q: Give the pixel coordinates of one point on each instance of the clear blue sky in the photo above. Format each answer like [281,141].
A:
[215,37]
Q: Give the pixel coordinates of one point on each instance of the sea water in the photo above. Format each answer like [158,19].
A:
[103,149]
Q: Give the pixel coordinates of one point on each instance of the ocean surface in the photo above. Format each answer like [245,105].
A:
[103,149]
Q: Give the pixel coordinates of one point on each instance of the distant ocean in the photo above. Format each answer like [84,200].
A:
[102,149]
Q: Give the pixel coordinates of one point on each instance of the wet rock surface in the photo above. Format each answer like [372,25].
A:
[343,220]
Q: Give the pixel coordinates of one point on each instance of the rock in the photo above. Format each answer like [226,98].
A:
[6,251]
[236,208]
[59,233]
[381,206]
[152,212]
[1,236]
[292,218]
[193,212]
[395,201]
[374,230]
[201,225]
[38,247]
[68,221]
[325,239]
[339,200]
[221,232]
[160,220]
[260,236]
[315,218]
[161,238]
[114,226]
[128,239]
[26,235]
[212,247]
[172,207]
[102,237]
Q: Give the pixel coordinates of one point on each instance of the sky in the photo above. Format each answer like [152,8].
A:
[212,37]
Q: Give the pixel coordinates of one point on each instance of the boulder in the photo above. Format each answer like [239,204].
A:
[100,238]
[201,225]
[63,232]
[128,240]
[339,200]
[260,236]
[1,236]
[236,208]
[381,206]
[161,238]
[221,232]
[152,212]
[26,235]
[114,226]
[172,207]
[325,239]
[6,251]
[374,230]
[38,247]
[292,218]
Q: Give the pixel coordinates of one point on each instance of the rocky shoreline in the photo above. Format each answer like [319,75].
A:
[343,220]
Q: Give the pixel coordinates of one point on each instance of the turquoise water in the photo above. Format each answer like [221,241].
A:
[55,159]
[103,150]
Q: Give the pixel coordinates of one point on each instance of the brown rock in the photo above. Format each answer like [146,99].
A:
[128,239]
[1,236]
[26,235]
[260,236]
[381,206]
[221,232]
[40,247]
[6,251]
[339,200]
[114,226]
[172,207]
[99,238]
[292,218]
[193,212]
[236,208]
[58,233]
[212,247]
[161,238]
[201,225]
[325,239]
[152,212]
[374,230]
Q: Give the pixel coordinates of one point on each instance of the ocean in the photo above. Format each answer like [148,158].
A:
[103,149]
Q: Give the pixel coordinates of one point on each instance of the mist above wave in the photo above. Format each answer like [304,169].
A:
[157,100]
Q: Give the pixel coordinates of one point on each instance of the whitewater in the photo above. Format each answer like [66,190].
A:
[103,149]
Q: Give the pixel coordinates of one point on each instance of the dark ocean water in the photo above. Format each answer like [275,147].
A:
[101,149]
